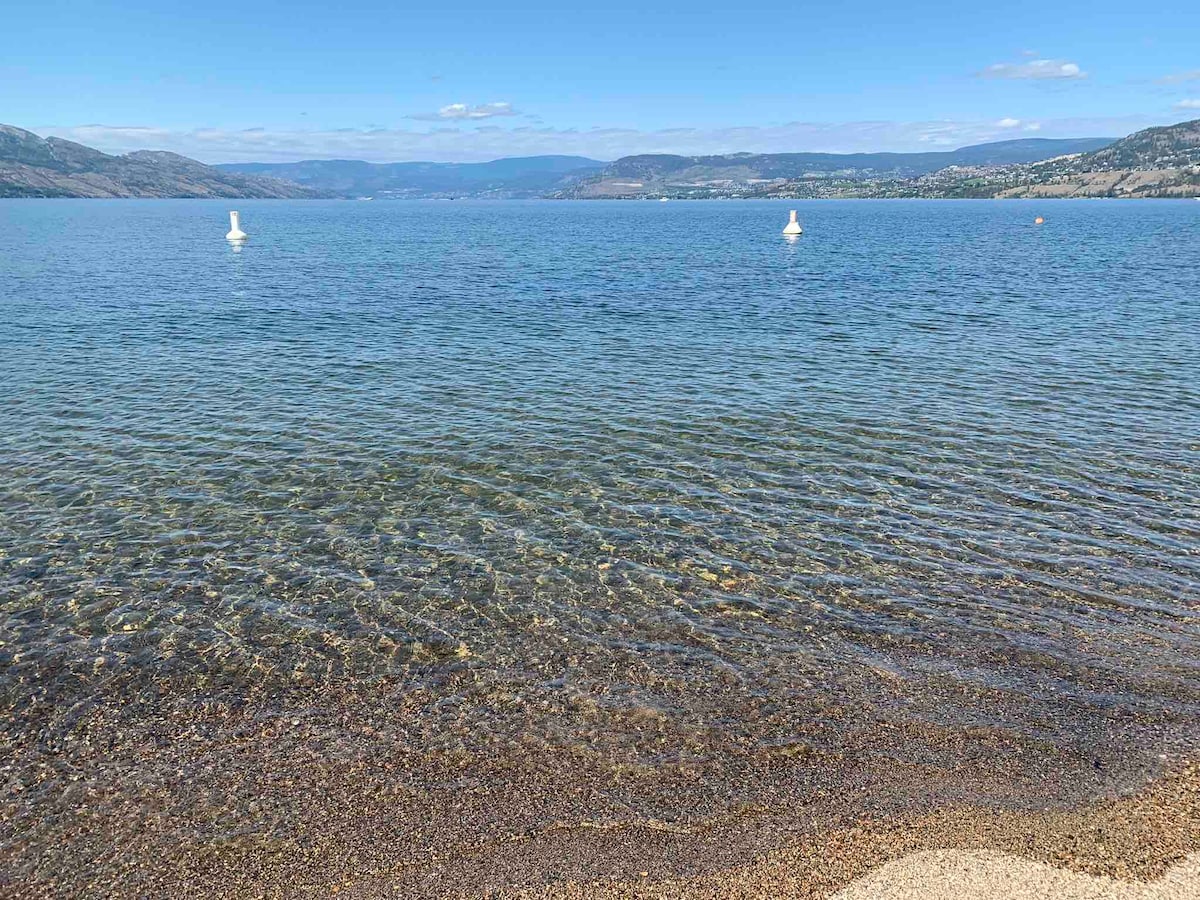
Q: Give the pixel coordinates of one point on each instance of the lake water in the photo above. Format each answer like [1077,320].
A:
[643,482]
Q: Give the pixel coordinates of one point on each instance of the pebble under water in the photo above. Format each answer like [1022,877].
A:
[698,518]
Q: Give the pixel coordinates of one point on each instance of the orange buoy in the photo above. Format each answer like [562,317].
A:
[1038,221]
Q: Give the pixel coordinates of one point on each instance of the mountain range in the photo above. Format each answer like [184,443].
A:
[652,174]
[661,174]
[31,166]
[529,176]
[1161,161]
[1155,162]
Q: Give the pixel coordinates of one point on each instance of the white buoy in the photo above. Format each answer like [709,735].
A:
[235,231]
[793,227]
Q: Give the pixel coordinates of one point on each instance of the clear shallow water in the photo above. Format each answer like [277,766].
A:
[650,455]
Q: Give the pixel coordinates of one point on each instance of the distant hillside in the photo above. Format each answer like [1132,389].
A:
[719,175]
[1156,162]
[529,176]
[31,166]
[1167,147]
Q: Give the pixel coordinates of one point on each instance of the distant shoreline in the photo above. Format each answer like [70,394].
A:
[615,199]
[1157,163]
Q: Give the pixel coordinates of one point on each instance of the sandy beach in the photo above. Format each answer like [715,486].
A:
[977,875]
[1138,848]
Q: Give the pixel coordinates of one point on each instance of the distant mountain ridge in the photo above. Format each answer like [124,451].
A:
[1163,161]
[664,173]
[793,165]
[32,166]
[527,176]
[646,174]
[1155,162]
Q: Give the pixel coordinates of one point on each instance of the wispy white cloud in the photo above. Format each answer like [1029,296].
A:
[1035,69]
[463,111]
[1189,103]
[1180,77]
[452,141]
[1010,123]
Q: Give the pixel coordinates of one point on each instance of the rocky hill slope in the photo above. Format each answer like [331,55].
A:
[1156,162]
[31,166]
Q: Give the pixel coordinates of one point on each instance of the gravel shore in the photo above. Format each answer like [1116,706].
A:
[348,796]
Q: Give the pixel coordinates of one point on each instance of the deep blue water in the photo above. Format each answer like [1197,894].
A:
[927,438]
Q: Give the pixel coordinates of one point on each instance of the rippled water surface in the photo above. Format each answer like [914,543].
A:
[650,456]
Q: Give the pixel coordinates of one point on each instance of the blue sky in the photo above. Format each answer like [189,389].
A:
[474,80]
